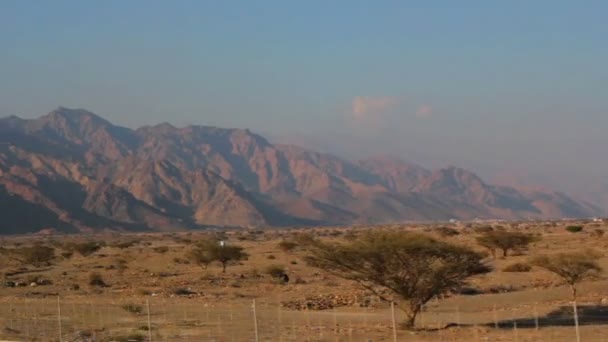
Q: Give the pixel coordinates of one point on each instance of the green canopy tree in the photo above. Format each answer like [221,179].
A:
[505,241]
[207,251]
[572,267]
[405,268]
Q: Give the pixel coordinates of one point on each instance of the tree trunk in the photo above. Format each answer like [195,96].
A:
[410,316]
[573,290]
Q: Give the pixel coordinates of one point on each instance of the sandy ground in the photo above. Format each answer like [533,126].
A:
[221,306]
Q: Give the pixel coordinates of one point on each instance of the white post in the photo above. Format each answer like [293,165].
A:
[535,317]
[280,321]
[394,321]
[59,318]
[149,323]
[10,315]
[255,323]
[578,333]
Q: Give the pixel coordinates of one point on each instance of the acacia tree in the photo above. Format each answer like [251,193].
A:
[505,241]
[36,255]
[207,251]
[405,268]
[572,267]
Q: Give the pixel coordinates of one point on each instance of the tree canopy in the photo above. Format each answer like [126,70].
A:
[572,267]
[409,269]
[505,241]
[207,251]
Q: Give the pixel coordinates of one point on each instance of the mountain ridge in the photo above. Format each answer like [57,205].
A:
[163,177]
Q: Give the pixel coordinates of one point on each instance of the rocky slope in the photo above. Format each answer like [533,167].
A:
[71,170]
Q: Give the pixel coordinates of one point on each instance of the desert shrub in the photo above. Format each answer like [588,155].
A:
[278,273]
[182,291]
[574,229]
[67,254]
[125,244]
[161,249]
[35,255]
[293,262]
[135,337]
[271,257]
[598,233]
[254,273]
[446,231]
[181,261]
[287,246]
[483,229]
[133,308]
[144,292]
[275,271]
[96,280]
[84,248]
[350,236]
[517,267]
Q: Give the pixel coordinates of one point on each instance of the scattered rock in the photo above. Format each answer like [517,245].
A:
[328,302]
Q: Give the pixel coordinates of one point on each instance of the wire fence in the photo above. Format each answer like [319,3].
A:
[179,319]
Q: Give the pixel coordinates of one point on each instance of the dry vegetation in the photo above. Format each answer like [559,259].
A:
[106,281]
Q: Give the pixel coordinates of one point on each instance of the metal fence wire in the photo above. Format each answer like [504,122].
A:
[181,319]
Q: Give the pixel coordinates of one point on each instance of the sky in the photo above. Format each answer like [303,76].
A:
[504,88]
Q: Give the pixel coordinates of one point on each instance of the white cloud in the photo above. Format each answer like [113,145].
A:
[366,106]
[424,111]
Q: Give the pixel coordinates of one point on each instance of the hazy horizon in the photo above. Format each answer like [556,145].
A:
[512,90]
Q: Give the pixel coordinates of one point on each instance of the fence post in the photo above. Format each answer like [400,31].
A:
[535,317]
[255,322]
[280,320]
[578,333]
[149,323]
[59,318]
[394,321]
[335,320]
[10,315]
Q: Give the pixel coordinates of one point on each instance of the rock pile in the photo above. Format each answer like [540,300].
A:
[328,302]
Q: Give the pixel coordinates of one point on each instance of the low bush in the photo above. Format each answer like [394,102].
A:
[277,273]
[96,280]
[574,229]
[135,337]
[287,246]
[517,267]
[447,231]
[36,255]
[161,249]
[84,248]
[183,292]
[133,308]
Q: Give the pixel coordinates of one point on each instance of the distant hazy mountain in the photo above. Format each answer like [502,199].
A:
[71,170]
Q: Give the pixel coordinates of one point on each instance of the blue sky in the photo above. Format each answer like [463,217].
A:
[490,85]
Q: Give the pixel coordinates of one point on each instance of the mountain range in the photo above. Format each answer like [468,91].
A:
[73,171]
